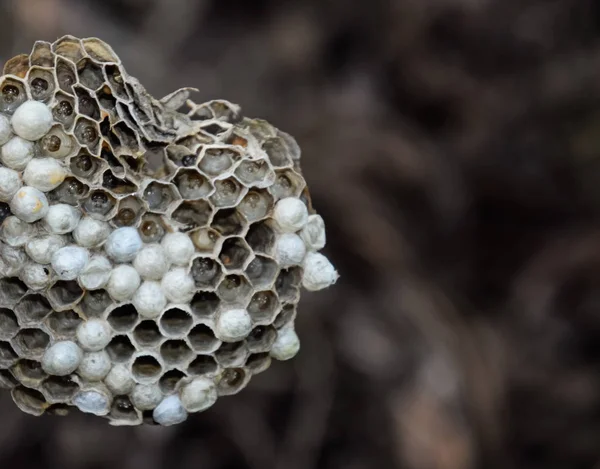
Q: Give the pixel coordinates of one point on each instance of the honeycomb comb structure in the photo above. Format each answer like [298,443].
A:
[151,251]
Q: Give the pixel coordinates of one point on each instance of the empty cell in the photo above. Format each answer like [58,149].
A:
[90,74]
[277,151]
[146,368]
[286,316]
[256,205]
[227,193]
[29,400]
[258,362]
[234,253]
[202,339]
[31,342]
[123,318]
[32,309]
[228,222]
[288,284]
[29,372]
[87,104]
[205,304]
[234,289]
[261,339]
[175,352]
[176,322]
[64,295]
[159,196]
[58,410]
[215,129]
[11,291]
[261,237]
[287,183]
[192,214]
[65,73]
[120,349]
[8,324]
[95,303]
[8,356]
[117,186]
[192,185]
[203,365]
[204,239]
[63,324]
[232,354]
[147,334]
[114,76]
[262,271]
[123,410]
[7,380]
[232,381]
[168,382]
[206,272]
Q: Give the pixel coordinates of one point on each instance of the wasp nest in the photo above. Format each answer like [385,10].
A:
[151,252]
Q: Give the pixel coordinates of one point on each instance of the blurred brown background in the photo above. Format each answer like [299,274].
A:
[452,147]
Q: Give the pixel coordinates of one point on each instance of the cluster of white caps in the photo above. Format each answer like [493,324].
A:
[62,243]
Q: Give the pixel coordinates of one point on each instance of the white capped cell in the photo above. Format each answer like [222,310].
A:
[198,395]
[289,250]
[178,286]
[69,262]
[44,174]
[96,273]
[62,218]
[62,358]
[32,120]
[313,233]
[233,325]
[123,244]
[318,273]
[146,396]
[149,300]
[29,204]
[10,183]
[290,214]
[17,153]
[43,248]
[5,129]
[92,402]
[12,260]
[119,380]
[169,412]
[94,334]
[16,232]
[286,345]
[151,262]
[178,247]
[124,281]
[90,232]
[94,366]
[35,276]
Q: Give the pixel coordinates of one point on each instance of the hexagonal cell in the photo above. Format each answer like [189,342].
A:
[227,193]
[232,381]
[86,166]
[99,204]
[232,354]
[192,185]
[68,47]
[259,128]
[215,128]
[169,381]
[59,388]
[175,322]
[64,110]
[42,55]
[228,222]
[159,196]
[258,362]
[129,212]
[263,306]
[175,352]
[217,160]
[123,318]
[32,309]
[120,349]
[86,103]
[205,272]
[204,239]
[7,380]
[114,77]
[288,284]
[256,205]
[286,316]
[90,74]
[69,192]
[87,133]
[41,84]
[63,324]
[64,294]
[234,289]
[29,372]
[234,253]
[287,183]
[8,324]
[56,143]
[106,100]
[147,334]
[262,271]
[152,228]
[203,365]
[204,304]
[12,95]
[181,156]
[202,339]
[31,342]
[146,368]
[8,356]
[95,303]
[99,51]
[192,214]
[261,339]
[117,185]
[277,152]
[58,410]
[122,410]
[11,291]
[29,400]
[255,173]
[261,237]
